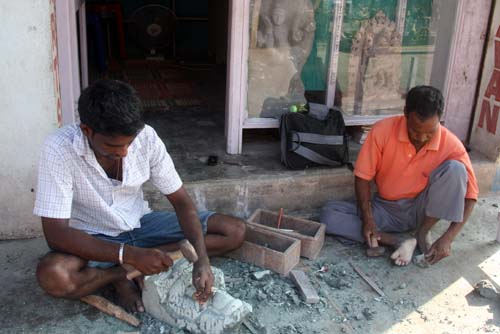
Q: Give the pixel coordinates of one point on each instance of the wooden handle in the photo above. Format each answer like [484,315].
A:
[374,241]
[173,255]
[108,307]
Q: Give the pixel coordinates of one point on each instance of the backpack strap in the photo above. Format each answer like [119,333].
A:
[313,156]
[314,138]
[304,137]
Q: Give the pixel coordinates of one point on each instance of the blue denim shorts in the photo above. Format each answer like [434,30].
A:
[157,228]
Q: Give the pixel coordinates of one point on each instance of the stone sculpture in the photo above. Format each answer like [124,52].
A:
[375,68]
[168,297]
[284,37]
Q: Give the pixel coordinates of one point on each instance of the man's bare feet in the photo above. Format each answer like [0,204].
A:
[129,295]
[402,256]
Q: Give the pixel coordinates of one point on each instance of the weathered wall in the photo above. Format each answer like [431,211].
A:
[485,135]
[465,64]
[28,108]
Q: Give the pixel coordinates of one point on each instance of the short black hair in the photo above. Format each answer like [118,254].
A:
[426,101]
[111,107]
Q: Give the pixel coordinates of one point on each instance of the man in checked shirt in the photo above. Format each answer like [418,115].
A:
[94,217]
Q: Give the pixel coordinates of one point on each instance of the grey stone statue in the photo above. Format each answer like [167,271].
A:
[285,35]
[374,71]
[168,297]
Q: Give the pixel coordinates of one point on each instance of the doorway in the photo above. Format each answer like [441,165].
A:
[174,54]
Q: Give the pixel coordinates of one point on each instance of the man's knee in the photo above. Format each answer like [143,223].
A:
[236,233]
[55,277]
[453,168]
[232,228]
[332,210]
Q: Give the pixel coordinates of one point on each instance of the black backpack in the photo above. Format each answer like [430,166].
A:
[311,140]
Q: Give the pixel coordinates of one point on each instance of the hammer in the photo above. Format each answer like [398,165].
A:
[185,250]
[376,250]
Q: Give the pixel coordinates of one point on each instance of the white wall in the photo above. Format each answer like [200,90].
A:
[28,109]
[485,136]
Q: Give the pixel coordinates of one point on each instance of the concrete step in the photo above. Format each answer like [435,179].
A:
[305,190]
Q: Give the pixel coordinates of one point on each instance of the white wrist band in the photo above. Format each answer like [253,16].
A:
[120,253]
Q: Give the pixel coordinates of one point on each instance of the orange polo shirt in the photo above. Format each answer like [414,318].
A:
[399,171]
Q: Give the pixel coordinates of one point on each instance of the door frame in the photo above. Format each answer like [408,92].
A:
[68,57]
[237,73]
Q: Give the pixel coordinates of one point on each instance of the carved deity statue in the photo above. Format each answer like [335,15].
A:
[281,40]
[375,68]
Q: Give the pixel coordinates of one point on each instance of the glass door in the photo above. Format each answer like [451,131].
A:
[389,46]
[360,55]
[288,56]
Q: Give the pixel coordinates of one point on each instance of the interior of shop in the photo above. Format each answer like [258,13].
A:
[174,54]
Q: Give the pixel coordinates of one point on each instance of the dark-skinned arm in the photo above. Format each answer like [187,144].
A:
[441,248]
[363,196]
[203,278]
[63,238]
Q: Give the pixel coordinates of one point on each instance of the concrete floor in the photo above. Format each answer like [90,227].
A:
[439,299]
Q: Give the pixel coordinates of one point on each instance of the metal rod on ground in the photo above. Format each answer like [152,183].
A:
[335,306]
[280,217]
[368,280]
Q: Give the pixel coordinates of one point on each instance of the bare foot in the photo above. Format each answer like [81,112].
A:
[129,295]
[402,256]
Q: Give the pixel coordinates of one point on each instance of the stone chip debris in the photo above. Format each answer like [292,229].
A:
[420,261]
[486,289]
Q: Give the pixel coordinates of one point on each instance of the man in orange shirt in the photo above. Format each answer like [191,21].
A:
[423,174]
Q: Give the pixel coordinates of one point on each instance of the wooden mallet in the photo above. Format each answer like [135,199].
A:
[185,250]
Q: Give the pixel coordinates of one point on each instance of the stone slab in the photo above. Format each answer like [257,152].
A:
[306,289]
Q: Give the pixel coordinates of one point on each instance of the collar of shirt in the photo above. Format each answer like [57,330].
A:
[82,148]
[432,145]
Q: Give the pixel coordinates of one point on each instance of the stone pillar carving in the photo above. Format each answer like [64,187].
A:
[285,34]
[375,68]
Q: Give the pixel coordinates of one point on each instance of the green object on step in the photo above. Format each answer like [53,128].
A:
[299,107]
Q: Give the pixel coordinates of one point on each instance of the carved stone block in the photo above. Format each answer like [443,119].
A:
[168,297]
